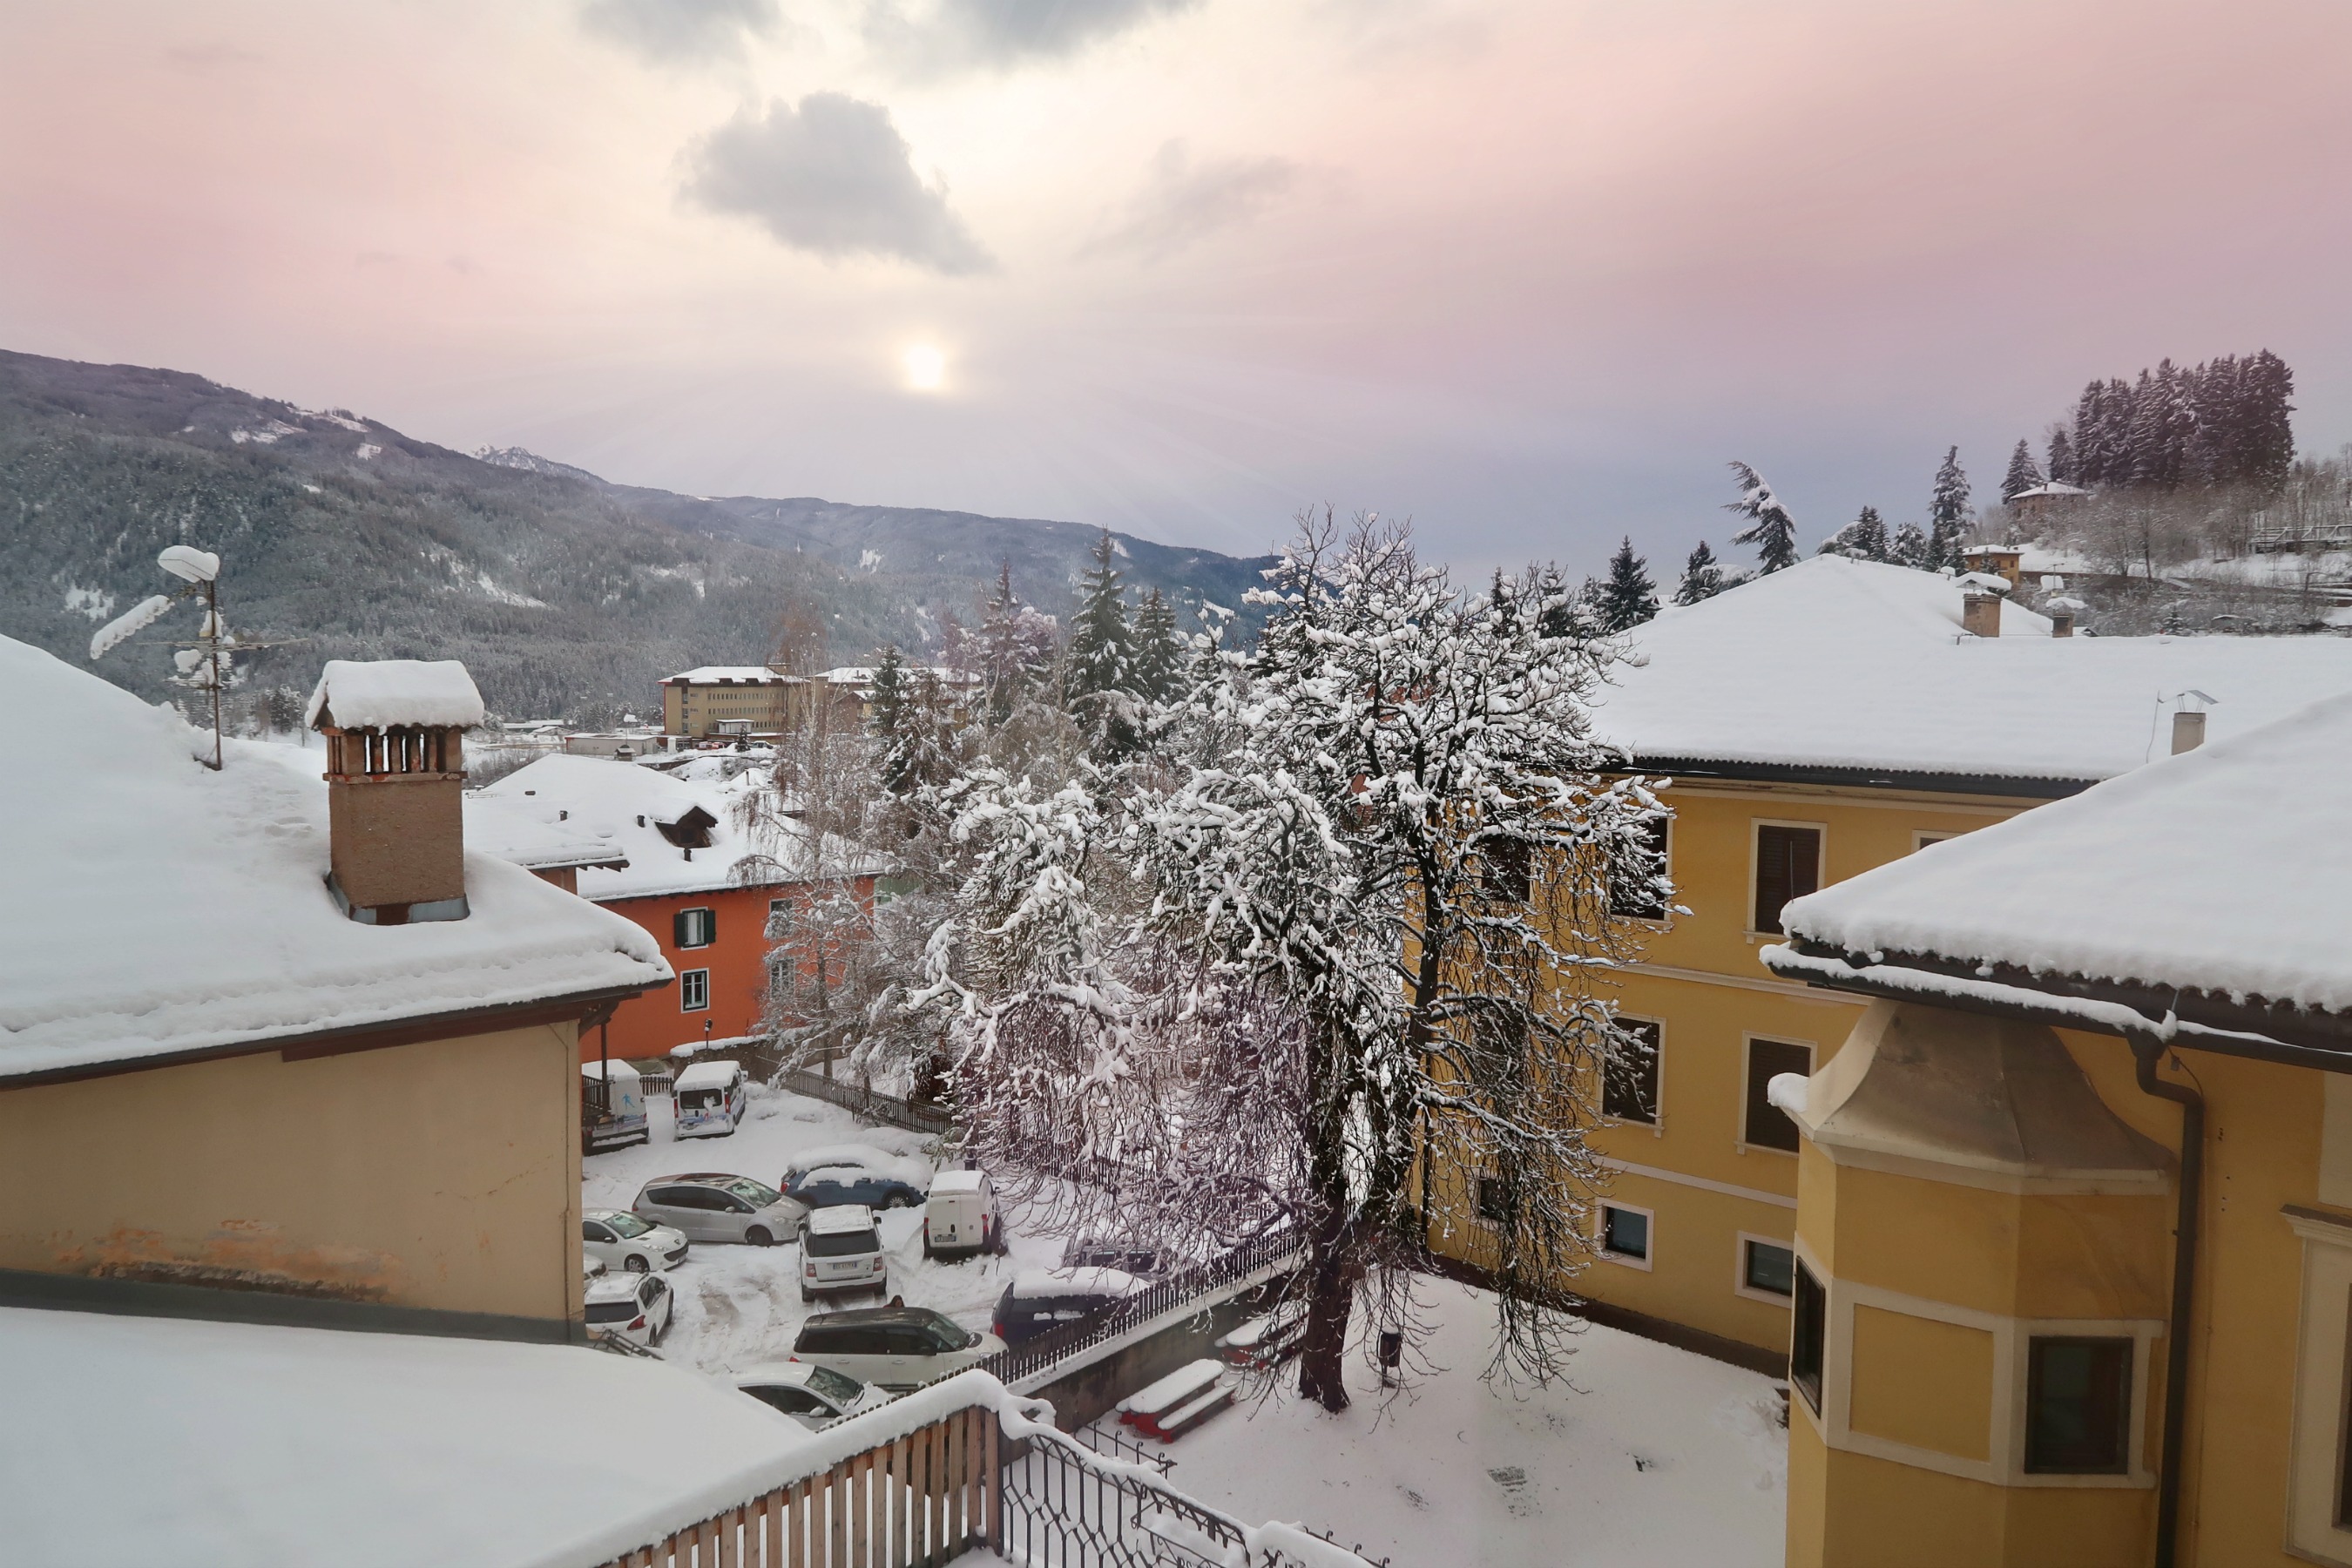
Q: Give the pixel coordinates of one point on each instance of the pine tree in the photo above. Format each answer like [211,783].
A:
[1947,513]
[1098,682]
[2061,456]
[1702,576]
[1016,648]
[1909,547]
[2265,435]
[885,717]
[2022,474]
[1159,653]
[1863,538]
[1770,526]
[1628,597]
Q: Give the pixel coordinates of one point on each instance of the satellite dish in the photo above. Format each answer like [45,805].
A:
[189,563]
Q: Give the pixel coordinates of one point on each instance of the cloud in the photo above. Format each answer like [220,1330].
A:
[984,33]
[833,177]
[208,55]
[680,32]
[1182,201]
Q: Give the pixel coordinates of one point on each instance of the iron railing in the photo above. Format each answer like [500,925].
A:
[867,1102]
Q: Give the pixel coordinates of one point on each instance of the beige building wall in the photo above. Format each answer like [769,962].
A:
[440,1175]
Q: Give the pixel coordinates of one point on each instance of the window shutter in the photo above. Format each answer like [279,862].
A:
[681,932]
[1787,865]
[1766,1125]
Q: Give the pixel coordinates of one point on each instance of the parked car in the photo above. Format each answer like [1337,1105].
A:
[896,1347]
[618,1237]
[1040,1300]
[828,1186]
[961,1216]
[861,1156]
[1100,1252]
[710,1100]
[841,1251]
[633,1307]
[711,1205]
[816,1396]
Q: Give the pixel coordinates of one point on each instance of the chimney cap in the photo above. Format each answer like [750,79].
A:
[394,693]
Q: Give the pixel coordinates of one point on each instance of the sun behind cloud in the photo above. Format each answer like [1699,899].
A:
[927,368]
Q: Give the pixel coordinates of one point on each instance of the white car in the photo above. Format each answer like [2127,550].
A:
[622,1241]
[962,1215]
[896,1347]
[633,1307]
[816,1396]
[711,1205]
[842,1250]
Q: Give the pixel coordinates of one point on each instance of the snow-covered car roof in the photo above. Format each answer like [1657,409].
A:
[850,1161]
[748,841]
[151,907]
[1036,1284]
[1853,665]
[613,1287]
[608,1215]
[795,1374]
[841,1219]
[2227,869]
[844,1175]
[707,1075]
[957,1182]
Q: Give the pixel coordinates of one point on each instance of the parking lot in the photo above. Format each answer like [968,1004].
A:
[737,1306]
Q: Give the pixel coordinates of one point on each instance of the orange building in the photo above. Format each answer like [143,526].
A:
[704,859]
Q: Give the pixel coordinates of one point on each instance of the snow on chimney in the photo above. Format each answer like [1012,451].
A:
[1981,597]
[395,782]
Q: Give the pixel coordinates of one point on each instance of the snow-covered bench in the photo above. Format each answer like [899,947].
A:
[1265,1341]
[1178,1402]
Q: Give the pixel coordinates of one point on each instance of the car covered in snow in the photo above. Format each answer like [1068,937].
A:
[962,1215]
[622,1241]
[816,1396]
[832,1187]
[896,1347]
[842,1250]
[633,1307]
[713,1205]
[710,1100]
[1040,1300]
[1104,1252]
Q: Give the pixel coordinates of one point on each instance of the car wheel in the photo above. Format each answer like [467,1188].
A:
[926,1243]
[806,1298]
[758,1236]
[898,1201]
[635,1263]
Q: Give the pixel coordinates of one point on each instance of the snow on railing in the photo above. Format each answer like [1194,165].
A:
[868,1102]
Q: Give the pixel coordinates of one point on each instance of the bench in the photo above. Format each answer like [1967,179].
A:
[1185,1417]
[1265,1342]
[1149,1409]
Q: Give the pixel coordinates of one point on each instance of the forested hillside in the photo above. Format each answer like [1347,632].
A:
[564,594]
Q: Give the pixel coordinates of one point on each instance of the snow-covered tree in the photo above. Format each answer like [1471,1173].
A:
[1331,960]
[2061,455]
[1770,528]
[1099,675]
[1947,514]
[1627,597]
[1910,547]
[2024,474]
[1863,538]
[1702,576]
[1159,651]
[1014,650]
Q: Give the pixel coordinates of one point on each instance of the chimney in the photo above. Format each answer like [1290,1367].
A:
[1981,613]
[2189,721]
[395,782]
[2062,623]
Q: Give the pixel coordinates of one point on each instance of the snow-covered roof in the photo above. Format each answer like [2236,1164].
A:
[2050,488]
[951,1182]
[377,694]
[500,827]
[1036,1284]
[1853,665]
[2226,869]
[150,906]
[751,842]
[226,1445]
[710,674]
[707,1075]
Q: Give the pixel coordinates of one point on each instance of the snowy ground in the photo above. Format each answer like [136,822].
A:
[741,1305]
[1655,1457]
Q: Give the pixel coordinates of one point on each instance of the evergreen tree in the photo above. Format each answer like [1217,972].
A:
[1016,648]
[2061,456]
[1629,597]
[2022,474]
[1909,547]
[1863,538]
[1702,576]
[1565,613]
[1947,513]
[1099,681]
[1159,652]
[1770,526]
[888,706]
[2264,444]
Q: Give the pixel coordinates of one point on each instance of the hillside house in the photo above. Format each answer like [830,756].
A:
[1815,724]
[284,1049]
[706,864]
[2073,1235]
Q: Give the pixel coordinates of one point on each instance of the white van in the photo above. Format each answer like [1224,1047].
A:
[611,1107]
[841,1251]
[960,1217]
[710,1098]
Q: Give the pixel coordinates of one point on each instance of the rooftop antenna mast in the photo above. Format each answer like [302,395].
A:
[202,661]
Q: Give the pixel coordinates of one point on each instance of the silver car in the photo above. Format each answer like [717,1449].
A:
[711,1205]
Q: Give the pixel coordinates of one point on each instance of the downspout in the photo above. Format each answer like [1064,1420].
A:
[2184,1288]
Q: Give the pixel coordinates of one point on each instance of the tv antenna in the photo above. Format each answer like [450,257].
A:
[203,661]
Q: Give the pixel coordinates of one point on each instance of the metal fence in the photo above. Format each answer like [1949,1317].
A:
[870,1103]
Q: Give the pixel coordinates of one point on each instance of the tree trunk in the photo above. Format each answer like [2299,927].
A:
[1331,1281]
[1331,1297]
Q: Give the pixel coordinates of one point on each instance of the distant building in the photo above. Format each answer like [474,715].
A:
[734,700]
[2047,497]
[1995,561]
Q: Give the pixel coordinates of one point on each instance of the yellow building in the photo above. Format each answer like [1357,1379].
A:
[1815,724]
[282,1051]
[2073,1278]
[733,699]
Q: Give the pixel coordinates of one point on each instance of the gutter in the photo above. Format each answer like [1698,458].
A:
[2185,1235]
[2000,785]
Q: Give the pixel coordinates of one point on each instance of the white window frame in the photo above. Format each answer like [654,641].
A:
[1600,1235]
[1656,1129]
[1923,836]
[1740,1285]
[702,910]
[686,990]
[2316,1436]
[1755,859]
[1748,1038]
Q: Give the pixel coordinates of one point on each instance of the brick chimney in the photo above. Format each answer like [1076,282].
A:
[2062,623]
[1981,613]
[395,783]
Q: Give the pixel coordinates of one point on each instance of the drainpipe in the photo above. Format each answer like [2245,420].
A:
[2184,1288]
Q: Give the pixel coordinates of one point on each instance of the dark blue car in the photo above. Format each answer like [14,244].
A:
[829,1186]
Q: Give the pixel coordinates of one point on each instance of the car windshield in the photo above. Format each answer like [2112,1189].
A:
[833,1386]
[627,1225]
[619,1311]
[847,1244]
[759,1194]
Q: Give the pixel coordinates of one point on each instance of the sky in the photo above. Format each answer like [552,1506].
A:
[1529,274]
